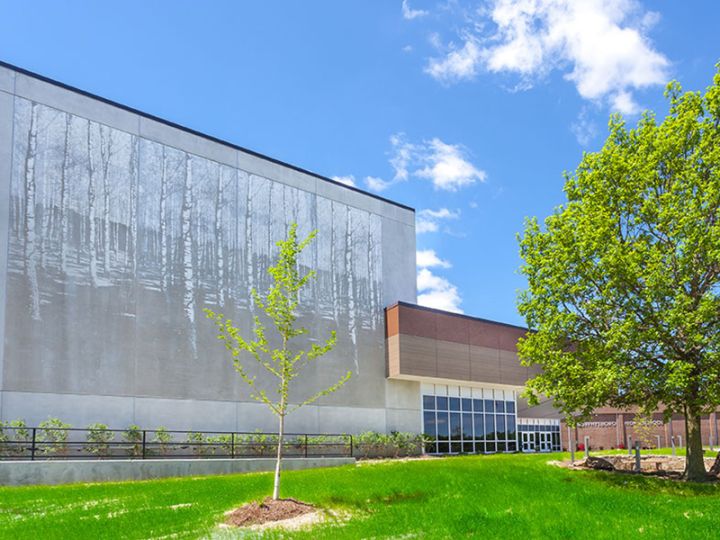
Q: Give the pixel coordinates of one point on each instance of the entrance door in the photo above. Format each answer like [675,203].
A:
[545,441]
[528,441]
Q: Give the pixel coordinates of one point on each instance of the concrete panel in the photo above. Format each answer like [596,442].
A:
[187,142]
[6,145]
[269,169]
[402,394]
[77,410]
[392,352]
[181,414]
[65,100]
[403,215]
[7,80]
[350,197]
[350,419]
[398,262]
[26,473]
[406,420]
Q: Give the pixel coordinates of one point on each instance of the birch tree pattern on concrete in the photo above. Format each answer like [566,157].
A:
[108,223]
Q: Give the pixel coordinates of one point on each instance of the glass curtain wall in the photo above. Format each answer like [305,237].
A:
[455,424]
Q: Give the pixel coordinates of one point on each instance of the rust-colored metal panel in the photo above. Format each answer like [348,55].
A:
[417,322]
[392,321]
[484,364]
[453,360]
[452,328]
[393,355]
[418,356]
[511,371]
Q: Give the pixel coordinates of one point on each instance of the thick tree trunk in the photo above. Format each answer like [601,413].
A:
[694,461]
[715,469]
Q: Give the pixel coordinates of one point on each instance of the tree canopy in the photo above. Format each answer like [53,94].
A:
[624,278]
[284,362]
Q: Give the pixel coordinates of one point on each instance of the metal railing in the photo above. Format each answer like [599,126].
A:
[53,443]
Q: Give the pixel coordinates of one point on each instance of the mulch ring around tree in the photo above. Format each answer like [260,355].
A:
[268,511]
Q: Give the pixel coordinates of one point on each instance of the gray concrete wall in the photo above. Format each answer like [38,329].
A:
[29,473]
[117,230]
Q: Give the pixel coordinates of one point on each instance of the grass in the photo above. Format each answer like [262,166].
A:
[500,496]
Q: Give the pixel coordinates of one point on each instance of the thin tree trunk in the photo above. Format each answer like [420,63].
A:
[333,276]
[163,226]
[249,244]
[219,240]
[91,211]
[278,463]
[130,249]
[30,244]
[352,316]
[188,273]
[105,156]
[63,196]
[694,460]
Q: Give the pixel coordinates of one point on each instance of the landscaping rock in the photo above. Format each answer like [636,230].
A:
[598,463]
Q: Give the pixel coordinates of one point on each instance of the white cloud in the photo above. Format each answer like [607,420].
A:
[407,49]
[376,184]
[402,152]
[447,167]
[437,292]
[440,213]
[427,258]
[425,226]
[584,128]
[409,13]
[348,180]
[456,65]
[427,219]
[600,45]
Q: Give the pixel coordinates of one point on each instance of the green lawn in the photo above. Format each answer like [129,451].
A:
[502,496]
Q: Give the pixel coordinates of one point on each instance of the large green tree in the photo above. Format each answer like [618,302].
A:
[284,362]
[624,278]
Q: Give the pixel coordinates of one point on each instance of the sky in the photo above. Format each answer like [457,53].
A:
[468,111]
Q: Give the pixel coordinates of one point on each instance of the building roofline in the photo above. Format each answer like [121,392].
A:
[451,313]
[197,133]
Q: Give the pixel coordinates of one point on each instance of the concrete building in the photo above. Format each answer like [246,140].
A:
[116,230]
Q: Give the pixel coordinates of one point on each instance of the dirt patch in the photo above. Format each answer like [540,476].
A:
[654,465]
[267,511]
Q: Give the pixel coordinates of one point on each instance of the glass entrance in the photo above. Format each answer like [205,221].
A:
[545,441]
[528,441]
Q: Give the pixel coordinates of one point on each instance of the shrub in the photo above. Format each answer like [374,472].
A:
[52,435]
[260,443]
[162,440]
[221,444]
[197,442]
[13,438]
[98,437]
[133,435]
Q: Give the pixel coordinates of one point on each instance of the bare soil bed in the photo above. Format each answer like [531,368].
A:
[267,511]
[655,465]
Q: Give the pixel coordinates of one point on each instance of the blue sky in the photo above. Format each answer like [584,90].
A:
[467,111]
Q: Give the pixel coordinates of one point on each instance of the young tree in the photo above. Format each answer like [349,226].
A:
[285,362]
[624,278]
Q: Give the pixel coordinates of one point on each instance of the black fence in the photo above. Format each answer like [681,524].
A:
[38,443]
